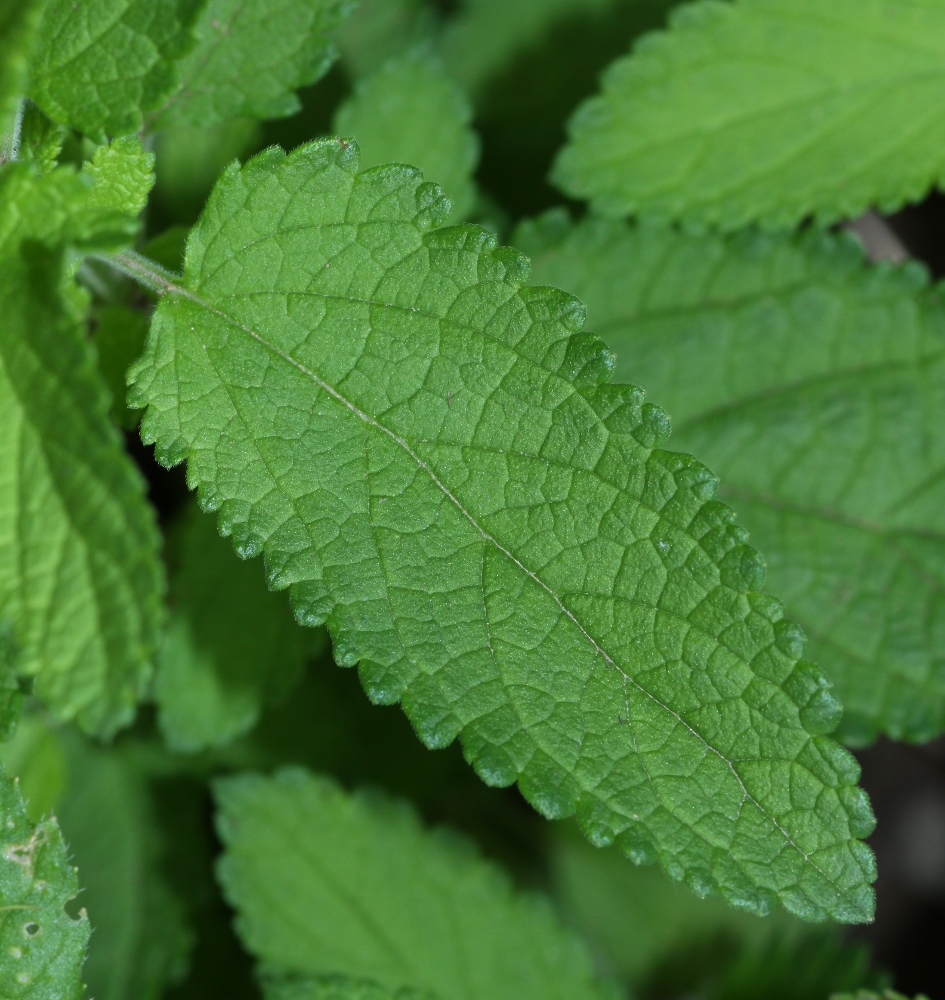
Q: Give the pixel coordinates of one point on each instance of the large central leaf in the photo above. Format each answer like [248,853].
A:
[428,453]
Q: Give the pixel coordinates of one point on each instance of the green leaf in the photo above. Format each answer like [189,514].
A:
[230,646]
[141,942]
[335,988]
[639,920]
[488,34]
[19,21]
[250,58]
[120,334]
[122,174]
[378,29]
[425,449]
[11,699]
[814,384]
[769,111]
[870,995]
[41,139]
[411,111]
[80,578]
[35,757]
[41,946]
[99,64]
[328,883]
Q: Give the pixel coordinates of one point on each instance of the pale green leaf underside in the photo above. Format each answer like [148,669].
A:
[335,988]
[410,111]
[231,645]
[80,578]
[250,58]
[425,449]
[329,883]
[41,947]
[98,64]
[485,35]
[815,385]
[768,111]
[140,940]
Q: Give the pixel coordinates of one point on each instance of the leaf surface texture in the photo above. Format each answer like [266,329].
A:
[329,883]
[41,946]
[767,111]
[428,453]
[250,58]
[814,384]
[80,579]
[99,64]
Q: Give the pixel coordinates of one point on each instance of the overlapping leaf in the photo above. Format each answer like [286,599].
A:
[41,946]
[770,111]
[377,30]
[410,111]
[230,646]
[814,384]
[99,64]
[80,580]
[428,453]
[326,883]
[250,58]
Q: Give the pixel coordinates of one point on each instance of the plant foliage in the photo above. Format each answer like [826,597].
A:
[767,111]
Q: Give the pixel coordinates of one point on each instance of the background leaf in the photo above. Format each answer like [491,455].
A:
[410,111]
[326,883]
[767,110]
[813,383]
[230,646]
[80,578]
[99,64]
[250,58]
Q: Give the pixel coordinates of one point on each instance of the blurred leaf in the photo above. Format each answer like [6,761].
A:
[35,756]
[411,111]
[335,988]
[41,138]
[380,29]
[230,646]
[327,883]
[250,58]
[767,111]
[19,23]
[119,339]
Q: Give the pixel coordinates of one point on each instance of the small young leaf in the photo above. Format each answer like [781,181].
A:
[328,883]
[250,58]
[98,64]
[428,453]
[230,646]
[123,175]
[334,988]
[410,111]
[41,946]
[814,384]
[41,139]
[768,111]
[80,578]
